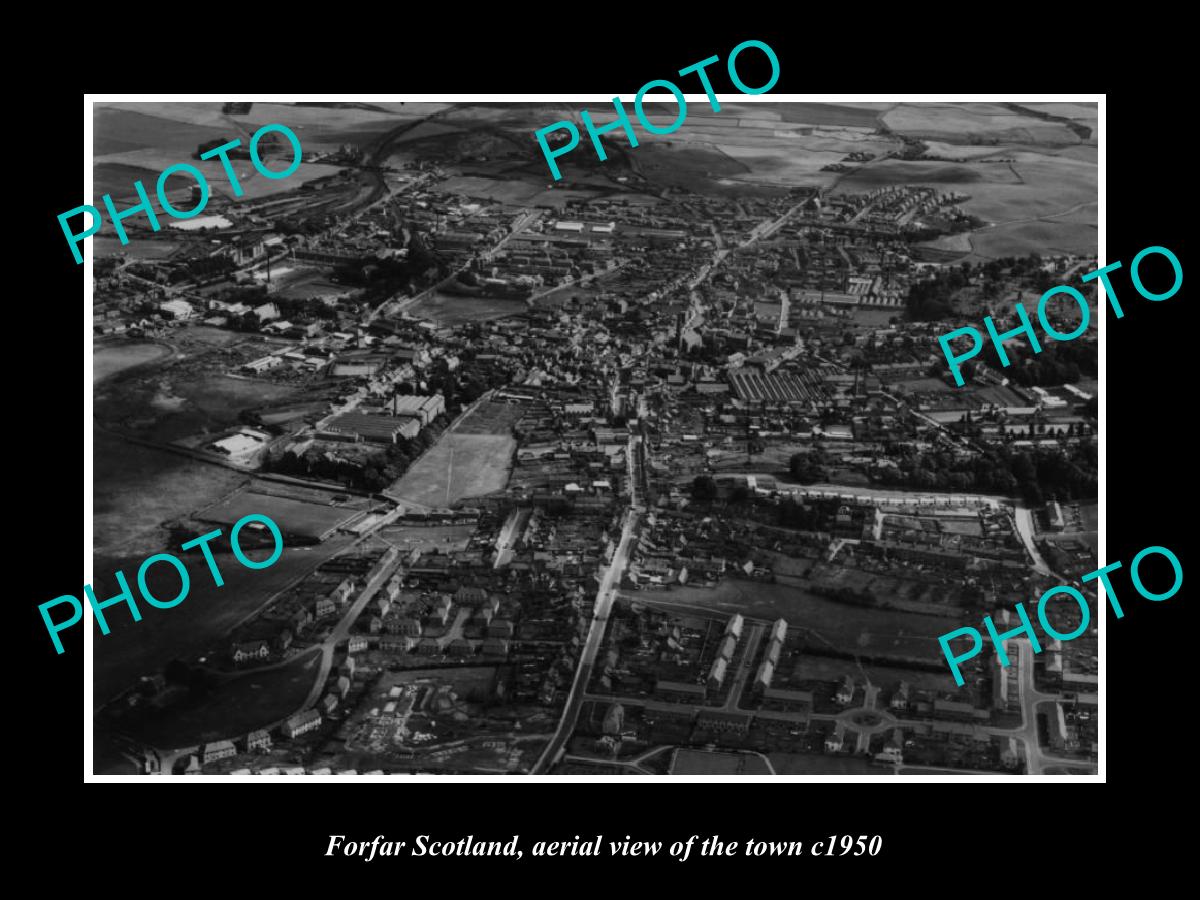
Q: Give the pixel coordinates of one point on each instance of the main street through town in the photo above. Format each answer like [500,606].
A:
[604,601]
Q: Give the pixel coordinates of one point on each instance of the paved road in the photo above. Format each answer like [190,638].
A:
[634,763]
[1026,733]
[342,629]
[604,601]
[1029,697]
[761,230]
[1023,521]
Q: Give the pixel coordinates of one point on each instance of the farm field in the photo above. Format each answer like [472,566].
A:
[139,140]
[1050,236]
[865,115]
[947,121]
[1037,202]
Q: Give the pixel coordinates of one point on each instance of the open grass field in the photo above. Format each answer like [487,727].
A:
[108,360]
[139,140]
[174,404]
[237,707]
[442,538]
[472,459]
[1039,202]
[136,126]
[458,467]
[491,417]
[512,191]
[448,309]
[293,516]
[318,125]
[847,628]
[960,176]
[105,244]
[705,762]
[1047,237]
[951,121]
[815,764]
[865,115]
[200,623]
[135,489]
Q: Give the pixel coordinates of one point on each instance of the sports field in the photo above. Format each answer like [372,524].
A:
[472,459]
[109,360]
[449,309]
[294,516]
[441,538]
[458,467]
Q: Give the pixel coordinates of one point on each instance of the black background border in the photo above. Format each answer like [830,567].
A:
[1146,402]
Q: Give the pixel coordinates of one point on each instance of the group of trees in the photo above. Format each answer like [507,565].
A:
[784,513]
[1058,363]
[843,594]
[930,301]
[195,679]
[808,468]
[1033,474]
[798,516]
[301,309]
[375,474]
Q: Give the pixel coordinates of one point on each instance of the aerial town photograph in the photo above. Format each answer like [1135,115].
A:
[654,468]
